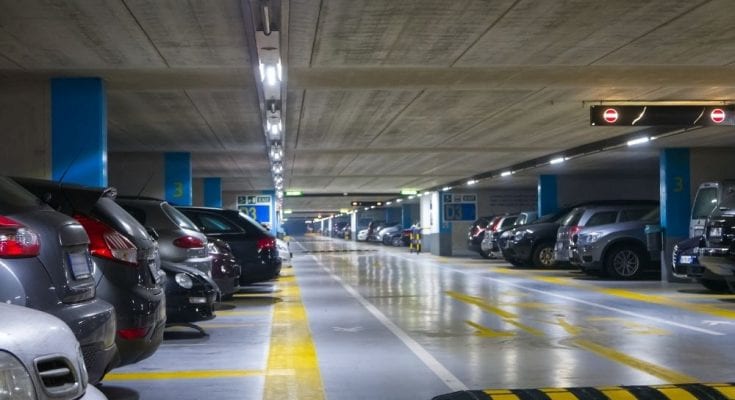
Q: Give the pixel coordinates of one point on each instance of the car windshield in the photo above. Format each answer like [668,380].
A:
[704,203]
[178,218]
[573,217]
[653,216]
[728,197]
[15,199]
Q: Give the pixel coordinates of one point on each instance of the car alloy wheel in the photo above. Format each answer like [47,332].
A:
[546,256]
[625,263]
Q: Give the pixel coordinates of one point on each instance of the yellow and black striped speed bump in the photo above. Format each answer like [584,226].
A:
[688,391]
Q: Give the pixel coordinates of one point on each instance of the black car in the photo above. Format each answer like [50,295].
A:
[532,244]
[225,269]
[45,264]
[717,248]
[685,263]
[190,294]
[476,233]
[127,273]
[253,246]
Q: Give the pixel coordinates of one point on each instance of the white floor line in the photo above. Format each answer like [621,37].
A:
[432,363]
[576,300]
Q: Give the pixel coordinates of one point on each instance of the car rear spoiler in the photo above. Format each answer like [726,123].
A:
[66,197]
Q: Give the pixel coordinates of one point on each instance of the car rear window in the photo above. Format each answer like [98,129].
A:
[573,217]
[633,215]
[215,224]
[602,218]
[251,226]
[15,198]
[705,202]
[178,218]
[507,222]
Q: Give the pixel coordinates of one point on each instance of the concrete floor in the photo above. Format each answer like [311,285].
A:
[364,321]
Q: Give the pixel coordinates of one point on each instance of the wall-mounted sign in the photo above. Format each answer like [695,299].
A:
[662,115]
[257,206]
[459,207]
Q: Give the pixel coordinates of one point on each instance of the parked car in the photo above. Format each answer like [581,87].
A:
[685,264]
[591,215]
[253,246]
[128,268]
[362,235]
[179,240]
[717,249]
[707,199]
[40,358]
[225,269]
[533,244]
[617,249]
[45,264]
[338,229]
[386,234]
[489,245]
[476,233]
[373,229]
[190,294]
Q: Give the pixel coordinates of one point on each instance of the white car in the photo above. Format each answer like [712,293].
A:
[362,235]
[284,253]
[40,358]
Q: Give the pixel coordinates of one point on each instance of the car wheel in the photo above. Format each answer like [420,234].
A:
[715,285]
[484,254]
[515,262]
[397,242]
[624,262]
[543,255]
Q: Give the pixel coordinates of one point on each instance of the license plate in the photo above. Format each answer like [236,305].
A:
[686,260]
[80,265]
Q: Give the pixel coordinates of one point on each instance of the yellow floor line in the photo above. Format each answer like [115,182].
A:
[293,366]
[487,332]
[627,294]
[190,374]
[480,303]
[662,373]
[240,313]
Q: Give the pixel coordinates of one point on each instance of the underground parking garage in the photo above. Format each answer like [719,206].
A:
[331,199]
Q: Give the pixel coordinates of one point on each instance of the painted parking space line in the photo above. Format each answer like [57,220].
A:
[626,294]
[188,374]
[292,370]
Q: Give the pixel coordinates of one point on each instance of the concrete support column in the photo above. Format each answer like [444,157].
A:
[406,216]
[675,203]
[79,131]
[330,224]
[177,180]
[437,233]
[213,192]
[547,194]
[321,227]
[353,226]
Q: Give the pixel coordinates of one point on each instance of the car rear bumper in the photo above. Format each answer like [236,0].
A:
[260,272]
[228,285]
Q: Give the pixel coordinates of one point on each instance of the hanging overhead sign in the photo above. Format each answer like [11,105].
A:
[662,115]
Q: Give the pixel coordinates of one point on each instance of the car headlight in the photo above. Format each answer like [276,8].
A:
[184,280]
[589,238]
[506,234]
[15,381]
[519,235]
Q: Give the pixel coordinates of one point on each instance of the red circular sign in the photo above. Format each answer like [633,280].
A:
[717,115]
[610,115]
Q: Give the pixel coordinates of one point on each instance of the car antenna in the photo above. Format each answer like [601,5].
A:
[71,164]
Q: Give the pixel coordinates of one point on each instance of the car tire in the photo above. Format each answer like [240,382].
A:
[624,262]
[397,241]
[484,254]
[515,262]
[543,255]
[715,285]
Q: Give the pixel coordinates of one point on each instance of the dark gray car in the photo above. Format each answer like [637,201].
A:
[618,249]
[126,257]
[45,264]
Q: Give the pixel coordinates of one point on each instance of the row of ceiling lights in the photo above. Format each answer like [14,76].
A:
[272,79]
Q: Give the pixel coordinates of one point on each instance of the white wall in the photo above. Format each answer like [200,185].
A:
[574,189]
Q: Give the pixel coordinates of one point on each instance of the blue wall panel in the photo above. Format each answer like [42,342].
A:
[178,178]
[674,186]
[213,192]
[547,194]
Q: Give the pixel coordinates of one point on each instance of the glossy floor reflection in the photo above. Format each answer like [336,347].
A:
[481,324]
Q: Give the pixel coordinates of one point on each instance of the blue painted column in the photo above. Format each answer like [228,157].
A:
[213,192]
[392,214]
[547,194]
[79,131]
[442,246]
[406,216]
[274,222]
[177,181]
[674,185]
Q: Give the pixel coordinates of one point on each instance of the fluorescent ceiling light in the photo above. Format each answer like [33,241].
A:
[411,197]
[271,77]
[399,200]
[387,203]
[506,173]
[557,160]
[446,188]
[471,182]
[638,141]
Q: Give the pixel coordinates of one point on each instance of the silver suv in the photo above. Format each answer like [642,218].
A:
[609,212]
[617,249]
[40,358]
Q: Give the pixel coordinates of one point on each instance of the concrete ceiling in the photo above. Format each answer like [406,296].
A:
[381,94]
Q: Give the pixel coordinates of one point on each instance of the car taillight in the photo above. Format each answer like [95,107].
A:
[189,242]
[573,231]
[108,243]
[494,225]
[265,243]
[17,241]
[132,333]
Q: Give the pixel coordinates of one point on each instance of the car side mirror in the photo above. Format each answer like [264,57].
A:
[152,232]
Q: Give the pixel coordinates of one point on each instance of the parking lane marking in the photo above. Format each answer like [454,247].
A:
[293,366]
[662,373]
[189,374]
[484,331]
[419,351]
[506,316]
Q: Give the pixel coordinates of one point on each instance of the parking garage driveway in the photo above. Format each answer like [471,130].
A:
[363,321]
